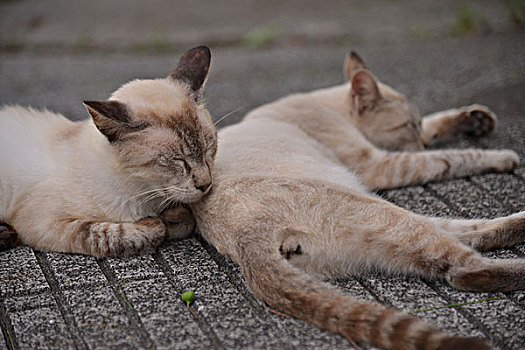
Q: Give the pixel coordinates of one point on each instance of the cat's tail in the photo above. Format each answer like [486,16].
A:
[282,286]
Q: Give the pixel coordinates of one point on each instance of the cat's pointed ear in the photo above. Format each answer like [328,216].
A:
[193,69]
[112,119]
[353,64]
[365,92]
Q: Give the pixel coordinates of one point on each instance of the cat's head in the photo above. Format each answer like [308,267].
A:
[383,115]
[163,135]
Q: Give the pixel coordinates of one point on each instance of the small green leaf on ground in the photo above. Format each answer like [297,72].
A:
[188,297]
[454,305]
[11,341]
[262,36]
[126,299]
[311,233]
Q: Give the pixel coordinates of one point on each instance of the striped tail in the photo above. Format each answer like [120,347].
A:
[282,286]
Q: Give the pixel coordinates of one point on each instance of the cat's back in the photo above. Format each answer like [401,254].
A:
[26,136]
[26,147]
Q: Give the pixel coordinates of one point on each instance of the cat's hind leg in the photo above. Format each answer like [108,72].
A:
[282,286]
[362,234]
[485,234]
[100,239]
[8,236]
[474,120]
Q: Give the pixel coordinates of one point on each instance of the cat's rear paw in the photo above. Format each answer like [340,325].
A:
[476,120]
[8,236]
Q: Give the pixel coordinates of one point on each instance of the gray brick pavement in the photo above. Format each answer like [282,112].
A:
[62,301]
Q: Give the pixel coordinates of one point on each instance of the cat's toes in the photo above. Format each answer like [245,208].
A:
[476,120]
[8,237]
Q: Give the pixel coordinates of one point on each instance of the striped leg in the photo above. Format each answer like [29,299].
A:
[392,169]
[105,239]
[485,235]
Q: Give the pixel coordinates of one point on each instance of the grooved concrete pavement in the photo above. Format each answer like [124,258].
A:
[56,53]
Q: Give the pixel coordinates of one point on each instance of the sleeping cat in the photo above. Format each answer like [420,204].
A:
[291,205]
[97,186]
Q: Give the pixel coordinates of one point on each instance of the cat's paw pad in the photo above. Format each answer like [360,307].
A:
[476,120]
[8,237]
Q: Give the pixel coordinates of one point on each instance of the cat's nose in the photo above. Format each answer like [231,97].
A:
[204,187]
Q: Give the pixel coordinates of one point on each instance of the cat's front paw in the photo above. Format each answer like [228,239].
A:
[504,160]
[153,232]
[476,120]
[180,222]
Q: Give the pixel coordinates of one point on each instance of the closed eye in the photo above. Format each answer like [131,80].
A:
[396,127]
[181,162]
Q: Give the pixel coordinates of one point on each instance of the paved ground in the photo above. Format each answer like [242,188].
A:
[56,53]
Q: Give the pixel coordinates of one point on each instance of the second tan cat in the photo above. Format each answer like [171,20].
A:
[291,206]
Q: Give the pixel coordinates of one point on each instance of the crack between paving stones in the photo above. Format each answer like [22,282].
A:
[507,206]
[366,286]
[60,300]
[498,198]
[494,339]
[128,308]
[255,305]
[201,321]
[7,328]
[238,282]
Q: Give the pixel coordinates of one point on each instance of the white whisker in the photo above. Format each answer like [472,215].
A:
[228,114]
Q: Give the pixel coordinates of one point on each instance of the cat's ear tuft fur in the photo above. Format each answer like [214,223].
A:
[112,119]
[193,68]
[353,64]
[365,92]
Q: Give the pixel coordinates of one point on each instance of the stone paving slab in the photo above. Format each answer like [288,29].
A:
[57,53]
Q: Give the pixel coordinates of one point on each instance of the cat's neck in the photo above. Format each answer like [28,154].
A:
[336,98]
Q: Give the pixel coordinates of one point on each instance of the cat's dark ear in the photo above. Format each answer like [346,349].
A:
[112,119]
[365,92]
[193,69]
[353,64]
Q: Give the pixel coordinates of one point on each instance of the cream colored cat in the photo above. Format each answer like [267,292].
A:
[97,186]
[397,126]
[291,205]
